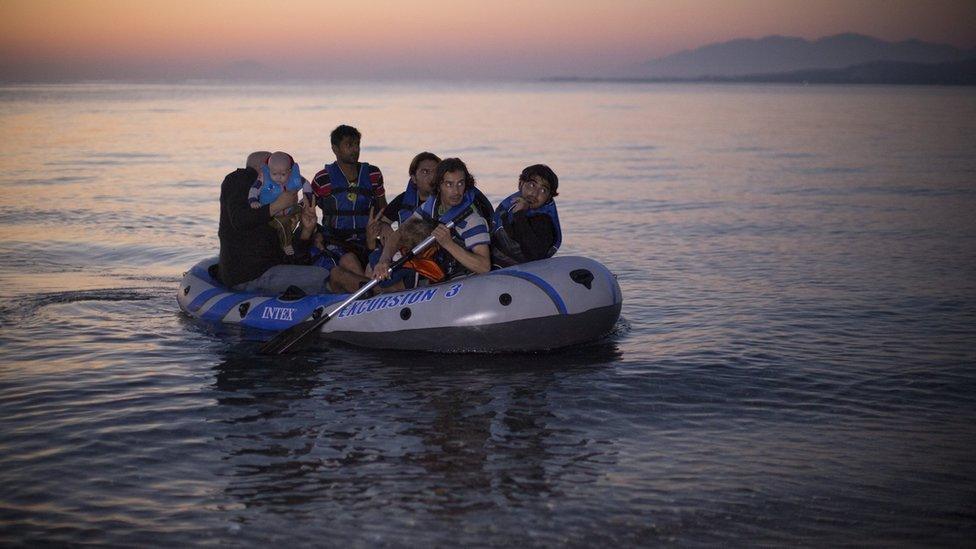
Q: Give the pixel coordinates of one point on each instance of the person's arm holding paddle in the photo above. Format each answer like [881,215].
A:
[390,247]
[477,259]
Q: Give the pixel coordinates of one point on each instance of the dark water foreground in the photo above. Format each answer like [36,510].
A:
[130,425]
[795,363]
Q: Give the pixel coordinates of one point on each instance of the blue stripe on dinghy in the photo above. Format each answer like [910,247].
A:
[223,306]
[557,300]
[202,298]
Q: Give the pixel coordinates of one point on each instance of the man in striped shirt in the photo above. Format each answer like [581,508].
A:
[348,191]
[461,250]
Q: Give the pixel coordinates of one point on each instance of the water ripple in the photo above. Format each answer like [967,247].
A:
[794,354]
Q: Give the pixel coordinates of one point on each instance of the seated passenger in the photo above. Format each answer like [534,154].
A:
[251,257]
[321,254]
[280,173]
[419,187]
[526,224]
[460,250]
[347,191]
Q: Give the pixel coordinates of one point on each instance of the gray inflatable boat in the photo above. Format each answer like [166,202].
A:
[536,306]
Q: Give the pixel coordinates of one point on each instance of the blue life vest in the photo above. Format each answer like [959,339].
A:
[352,203]
[323,258]
[429,208]
[410,202]
[473,196]
[271,190]
[504,244]
[450,265]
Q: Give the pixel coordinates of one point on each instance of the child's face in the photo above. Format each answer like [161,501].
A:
[279,172]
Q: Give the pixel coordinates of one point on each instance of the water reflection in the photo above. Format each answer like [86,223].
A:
[352,431]
[798,276]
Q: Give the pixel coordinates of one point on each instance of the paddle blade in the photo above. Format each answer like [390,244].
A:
[289,339]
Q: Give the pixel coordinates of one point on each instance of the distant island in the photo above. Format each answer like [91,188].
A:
[840,59]
[962,73]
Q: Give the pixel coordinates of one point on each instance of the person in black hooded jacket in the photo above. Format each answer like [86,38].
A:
[251,256]
[248,245]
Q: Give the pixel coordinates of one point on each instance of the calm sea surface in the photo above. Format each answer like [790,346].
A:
[795,363]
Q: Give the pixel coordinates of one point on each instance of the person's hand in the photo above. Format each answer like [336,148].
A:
[374,226]
[381,270]
[520,204]
[442,234]
[284,201]
[309,217]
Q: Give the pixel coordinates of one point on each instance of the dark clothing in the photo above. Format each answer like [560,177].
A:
[392,210]
[528,239]
[535,235]
[485,209]
[248,244]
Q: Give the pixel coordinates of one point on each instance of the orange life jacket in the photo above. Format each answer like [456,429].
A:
[425,265]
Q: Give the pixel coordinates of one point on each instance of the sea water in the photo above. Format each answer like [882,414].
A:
[795,362]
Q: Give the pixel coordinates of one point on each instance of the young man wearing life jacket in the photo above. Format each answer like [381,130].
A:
[526,224]
[419,186]
[346,191]
[463,249]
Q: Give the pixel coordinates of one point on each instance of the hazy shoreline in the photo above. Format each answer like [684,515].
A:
[892,73]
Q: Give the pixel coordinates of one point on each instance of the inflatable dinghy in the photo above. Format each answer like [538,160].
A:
[536,306]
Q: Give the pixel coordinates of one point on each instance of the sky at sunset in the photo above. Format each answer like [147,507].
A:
[68,39]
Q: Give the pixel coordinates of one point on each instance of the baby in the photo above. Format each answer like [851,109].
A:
[280,173]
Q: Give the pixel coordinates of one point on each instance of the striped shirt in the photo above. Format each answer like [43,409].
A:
[473,230]
[322,186]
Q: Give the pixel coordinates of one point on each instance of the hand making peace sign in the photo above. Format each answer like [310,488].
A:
[374,227]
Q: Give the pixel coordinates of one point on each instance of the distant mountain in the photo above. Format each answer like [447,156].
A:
[778,54]
[246,69]
[958,73]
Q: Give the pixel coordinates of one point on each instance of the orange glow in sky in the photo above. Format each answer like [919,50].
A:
[377,38]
